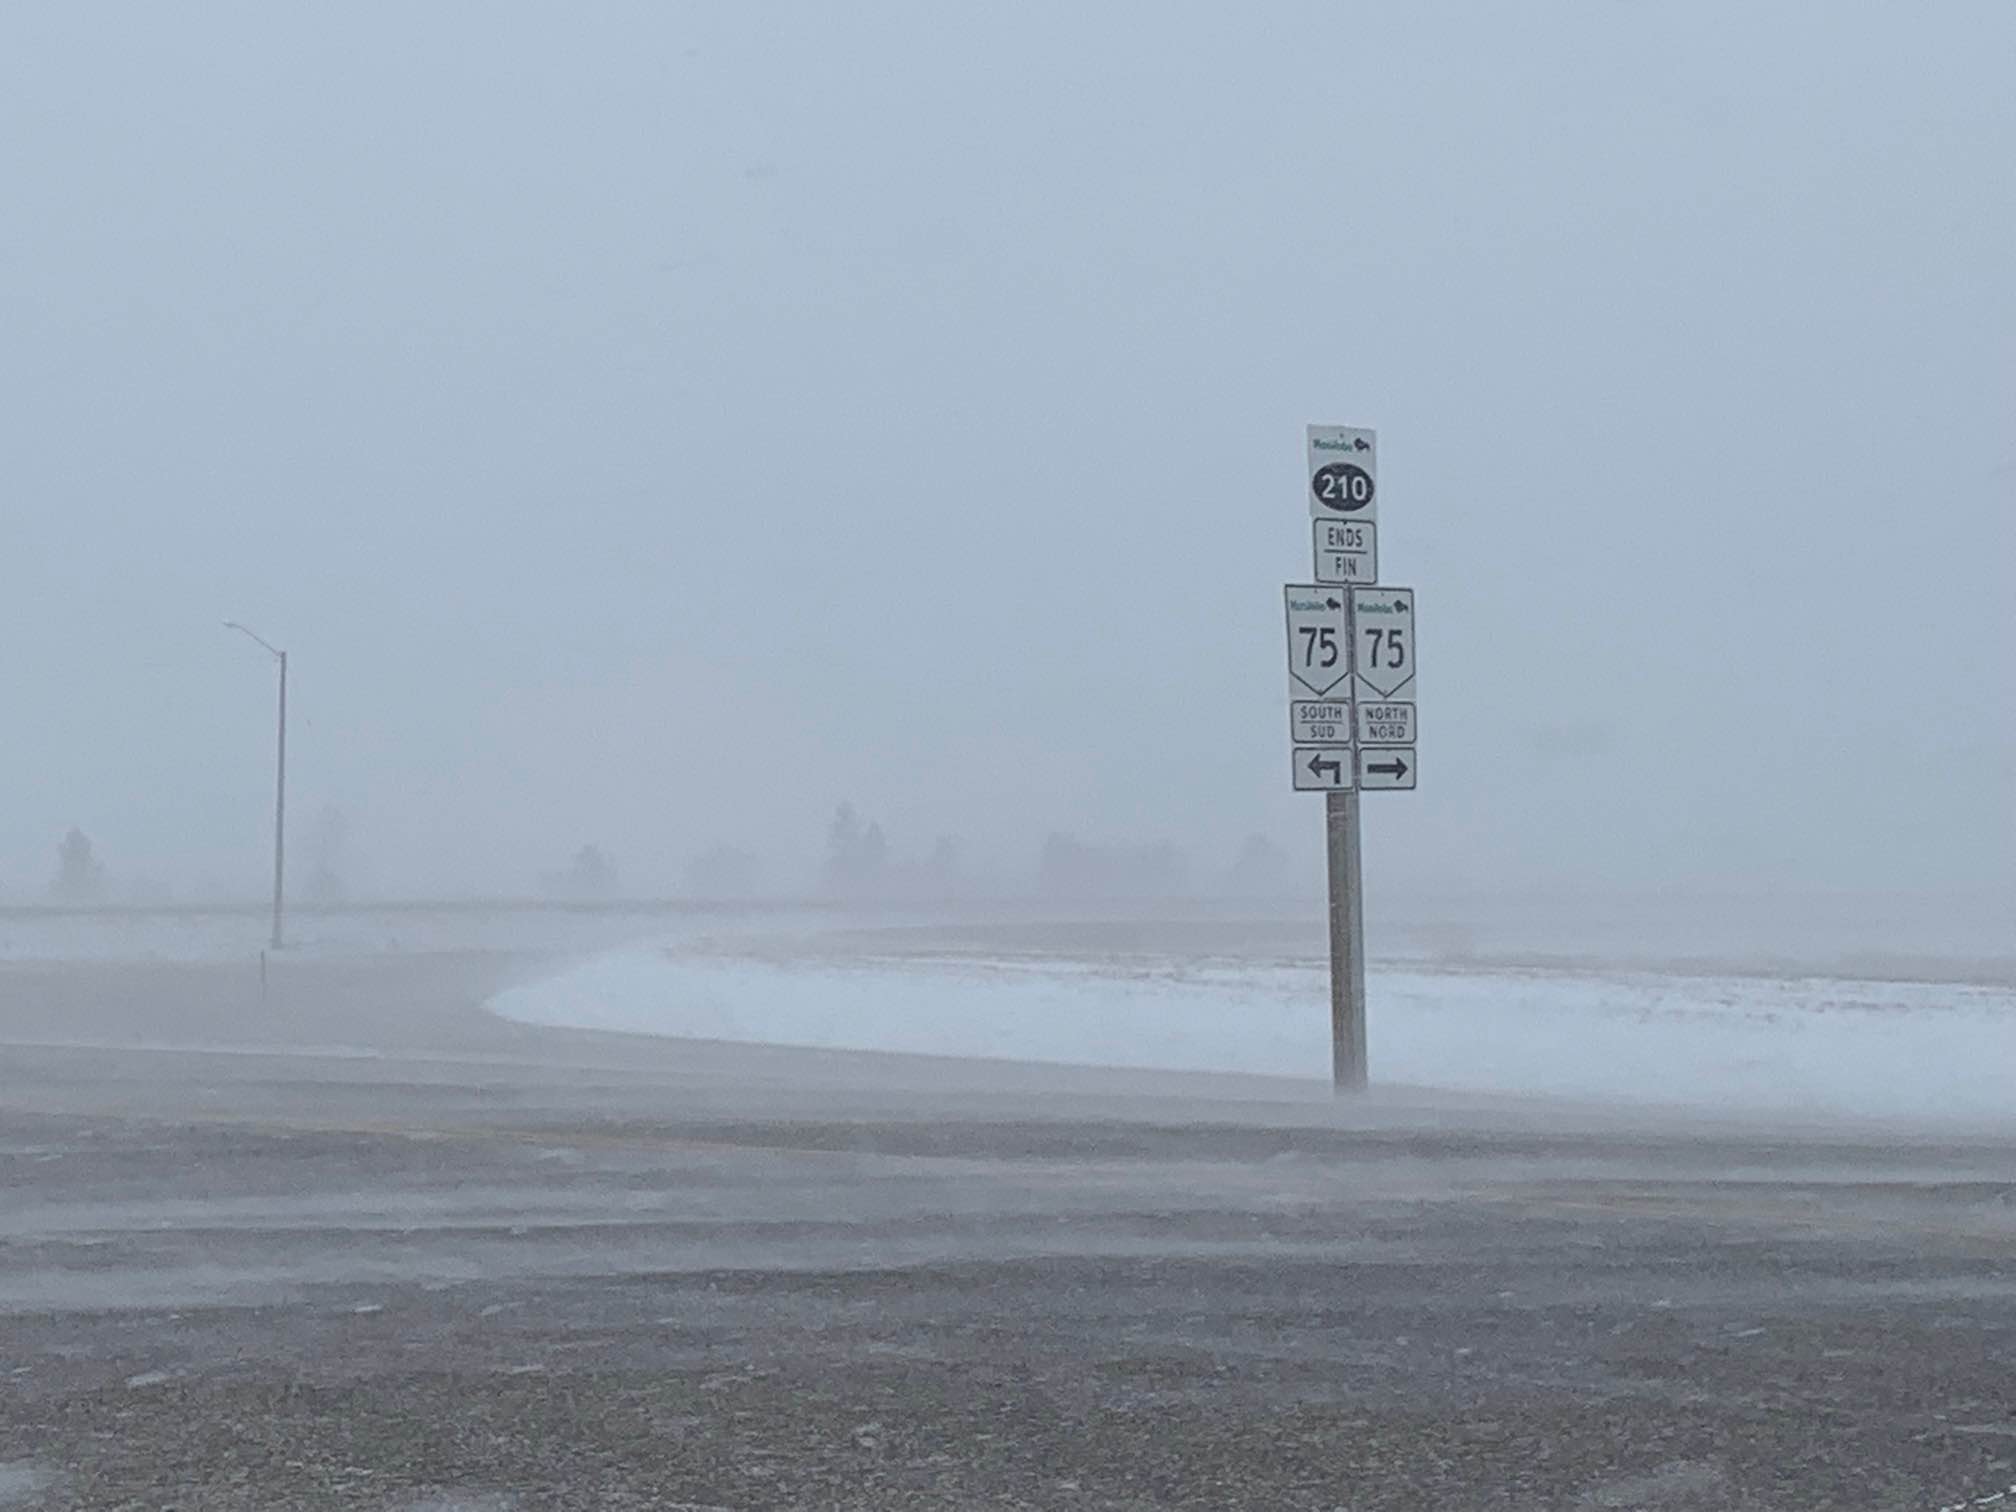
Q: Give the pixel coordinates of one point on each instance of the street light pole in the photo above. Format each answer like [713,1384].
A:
[279,783]
[280,808]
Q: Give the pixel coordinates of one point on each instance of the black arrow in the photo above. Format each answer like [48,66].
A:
[1396,768]
[1320,764]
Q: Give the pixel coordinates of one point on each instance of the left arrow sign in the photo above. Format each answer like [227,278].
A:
[1322,769]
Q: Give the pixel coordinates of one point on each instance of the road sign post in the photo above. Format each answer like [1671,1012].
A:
[1351,709]
[1348,1069]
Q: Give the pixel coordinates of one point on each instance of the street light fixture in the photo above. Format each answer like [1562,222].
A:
[280,779]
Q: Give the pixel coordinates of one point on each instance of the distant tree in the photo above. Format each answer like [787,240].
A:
[325,855]
[857,854]
[1154,870]
[591,874]
[944,867]
[80,878]
[1070,868]
[722,871]
[843,844]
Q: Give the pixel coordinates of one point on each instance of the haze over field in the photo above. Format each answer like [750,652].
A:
[803,981]
[655,427]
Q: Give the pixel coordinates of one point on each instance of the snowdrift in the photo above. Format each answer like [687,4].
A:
[1917,1052]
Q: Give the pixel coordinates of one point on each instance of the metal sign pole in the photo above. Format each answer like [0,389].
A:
[1347,944]
[1351,702]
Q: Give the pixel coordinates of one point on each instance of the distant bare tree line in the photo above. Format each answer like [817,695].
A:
[859,862]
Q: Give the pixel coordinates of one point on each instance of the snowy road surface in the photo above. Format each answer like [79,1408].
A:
[362,1243]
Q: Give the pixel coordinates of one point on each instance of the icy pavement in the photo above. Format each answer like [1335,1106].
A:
[21,1482]
[494,1266]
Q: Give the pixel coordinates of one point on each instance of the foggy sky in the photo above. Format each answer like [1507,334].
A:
[653,424]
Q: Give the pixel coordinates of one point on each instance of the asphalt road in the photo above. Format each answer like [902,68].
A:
[357,1245]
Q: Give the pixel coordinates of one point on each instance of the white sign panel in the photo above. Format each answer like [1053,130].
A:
[1322,721]
[1385,724]
[1386,771]
[1347,551]
[1323,769]
[1382,644]
[1319,641]
[1343,473]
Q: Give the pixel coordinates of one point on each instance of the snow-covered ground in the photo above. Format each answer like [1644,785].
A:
[1752,1045]
[1562,1004]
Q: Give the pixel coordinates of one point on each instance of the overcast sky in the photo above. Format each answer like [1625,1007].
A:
[652,424]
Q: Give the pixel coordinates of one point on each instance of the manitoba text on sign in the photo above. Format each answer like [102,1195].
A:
[1343,474]
[1319,641]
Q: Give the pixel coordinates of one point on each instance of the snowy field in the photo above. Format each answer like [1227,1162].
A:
[1803,1019]
[1957,938]
[1753,1045]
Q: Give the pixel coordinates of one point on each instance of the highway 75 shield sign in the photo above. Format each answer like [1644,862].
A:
[1319,640]
[1383,651]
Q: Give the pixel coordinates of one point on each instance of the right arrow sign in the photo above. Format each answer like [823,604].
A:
[1386,770]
